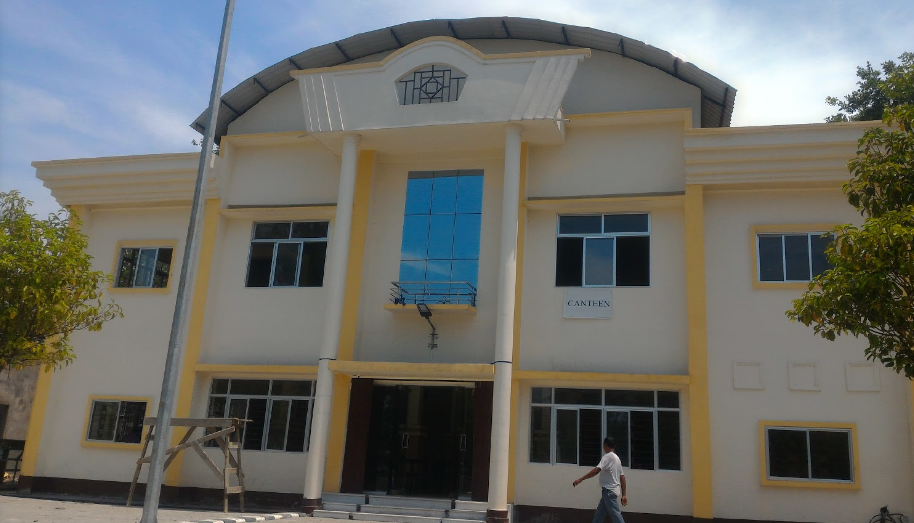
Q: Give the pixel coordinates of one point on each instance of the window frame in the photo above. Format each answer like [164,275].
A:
[604,408]
[784,229]
[269,408]
[776,481]
[143,244]
[299,241]
[86,442]
[604,235]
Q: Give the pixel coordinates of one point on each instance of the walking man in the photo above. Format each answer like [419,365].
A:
[612,483]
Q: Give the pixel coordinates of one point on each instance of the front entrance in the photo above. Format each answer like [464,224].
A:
[422,439]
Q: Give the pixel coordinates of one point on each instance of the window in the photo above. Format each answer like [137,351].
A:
[144,267]
[568,426]
[441,227]
[431,84]
[116,421]
[279,410]
[809,454]
[603,251]
[794,257]
[288,254]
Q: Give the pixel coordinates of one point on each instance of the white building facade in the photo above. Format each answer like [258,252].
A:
[445,259]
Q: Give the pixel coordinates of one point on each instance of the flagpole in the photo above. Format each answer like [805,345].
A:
[177,339]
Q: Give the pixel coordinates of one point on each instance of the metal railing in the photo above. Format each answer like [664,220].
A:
[433,292]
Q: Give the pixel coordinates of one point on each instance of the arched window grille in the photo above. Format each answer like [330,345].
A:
[431,84]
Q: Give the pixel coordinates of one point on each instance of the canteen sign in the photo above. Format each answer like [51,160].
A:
[588,303]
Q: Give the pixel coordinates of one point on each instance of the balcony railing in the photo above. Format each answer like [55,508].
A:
[433,293]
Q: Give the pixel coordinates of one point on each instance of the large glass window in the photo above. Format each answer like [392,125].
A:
[811,454]
[116,421]
[441,227]
[603,250]
[279,411]
[144,267]
[798,257]
[288,254]
[568,426]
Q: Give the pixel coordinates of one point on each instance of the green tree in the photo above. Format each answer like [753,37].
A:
[47,286]
[870,291]
[871,98]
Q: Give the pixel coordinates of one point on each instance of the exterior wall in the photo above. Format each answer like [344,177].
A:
[17,389]
[747,324]
[301,174]
[281,111]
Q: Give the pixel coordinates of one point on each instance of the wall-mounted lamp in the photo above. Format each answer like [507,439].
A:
[426,313]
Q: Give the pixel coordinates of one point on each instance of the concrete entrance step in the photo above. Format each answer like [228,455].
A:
[400,501]
[331,514]
[401,509]
[399,518]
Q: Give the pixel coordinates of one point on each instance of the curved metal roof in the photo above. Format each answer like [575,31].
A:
[717,97]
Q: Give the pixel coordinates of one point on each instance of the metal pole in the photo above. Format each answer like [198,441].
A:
[177,339]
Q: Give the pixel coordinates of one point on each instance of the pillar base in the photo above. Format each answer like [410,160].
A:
[496,516]
[309,505]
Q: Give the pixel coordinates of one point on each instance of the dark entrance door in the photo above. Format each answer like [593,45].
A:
[420,441]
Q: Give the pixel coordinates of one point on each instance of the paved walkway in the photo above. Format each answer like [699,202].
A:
[15,509]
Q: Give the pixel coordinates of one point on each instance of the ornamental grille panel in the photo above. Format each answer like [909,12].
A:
[431,84]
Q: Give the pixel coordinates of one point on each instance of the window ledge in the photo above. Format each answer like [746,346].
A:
[790,285]
[139,290]
[445,308]
[112,445]
[810,484]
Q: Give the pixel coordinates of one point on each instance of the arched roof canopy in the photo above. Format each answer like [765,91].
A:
[717,97]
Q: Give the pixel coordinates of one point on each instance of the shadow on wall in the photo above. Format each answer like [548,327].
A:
[17,390]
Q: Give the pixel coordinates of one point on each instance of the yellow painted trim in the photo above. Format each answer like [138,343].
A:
[518,300]
[274,138]
[776,129]
[336,444]
[112,445]
[512,444]
[185,392]
[603,378]
[463,308]
[384,369]
[460,43]
[124,244]
[818,484]
[237,370]
[699,401]
[647,116]
[304,212]
[575,203]
[785,228]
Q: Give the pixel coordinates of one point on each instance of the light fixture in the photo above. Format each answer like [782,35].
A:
[426,313]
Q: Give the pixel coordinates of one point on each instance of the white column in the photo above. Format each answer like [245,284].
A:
[335,285]
[504,328]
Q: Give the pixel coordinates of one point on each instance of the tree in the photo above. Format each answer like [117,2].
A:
[870,291]
[871,99]
[47,286]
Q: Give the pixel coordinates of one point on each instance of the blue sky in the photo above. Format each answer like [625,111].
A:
[101,78]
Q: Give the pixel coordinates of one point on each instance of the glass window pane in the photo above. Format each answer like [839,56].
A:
[441,237]
[313,259]
[419,193]
[103,420]
[788,456]
[667,399]
[581,224]
[286,264]
[590,436]
[127,269]
[566,436]
[254,429]
[770,257]
[250,387]
[540,434]
[630,398]
[796,254]
[260,264]
[467,228]
[276,435]
[216,407]
[163,267]
[146,267]
[415,238]
[272,231]
[820,261]
[130,422]
[617,428]
[642,439]
[668,440]
[542,395]
[219,386]
[578,396]
[310,229]
[238,408]
[830,454]
[412,271]
[298,422]
[569,262]
[291,388]
[444,193]
[469,194]
[465,270]
[598,261]
[625,223]
[438,270]
[633,261]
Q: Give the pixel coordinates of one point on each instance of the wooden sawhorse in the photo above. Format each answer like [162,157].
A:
[227,436]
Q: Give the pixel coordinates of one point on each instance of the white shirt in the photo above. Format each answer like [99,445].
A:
[610,472]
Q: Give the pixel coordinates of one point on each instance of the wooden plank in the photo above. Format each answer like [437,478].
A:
[215,435]
[212,466]
[186,437]
[199,422]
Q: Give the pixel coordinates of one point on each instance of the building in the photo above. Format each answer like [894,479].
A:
[444,259]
